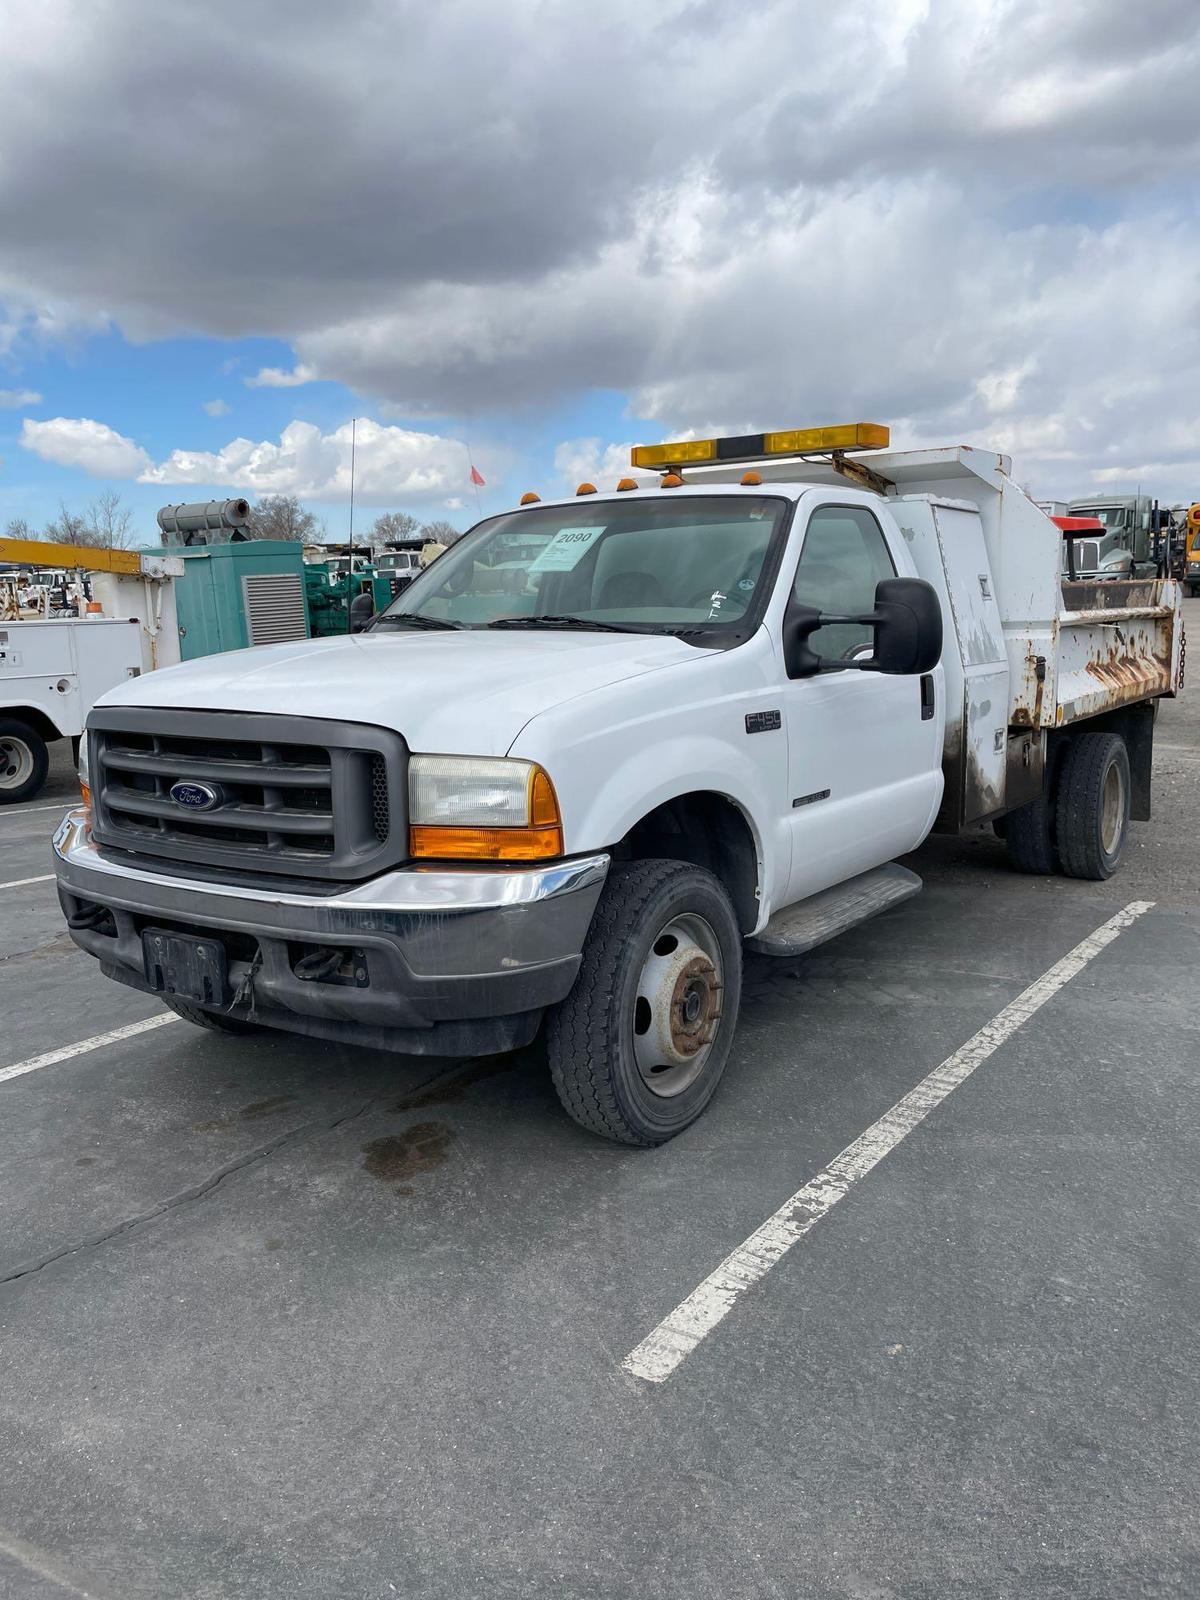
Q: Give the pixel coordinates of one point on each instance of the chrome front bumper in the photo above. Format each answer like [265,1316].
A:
[453,958]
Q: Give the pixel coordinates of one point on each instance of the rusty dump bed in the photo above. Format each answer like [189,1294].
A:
[1118,641]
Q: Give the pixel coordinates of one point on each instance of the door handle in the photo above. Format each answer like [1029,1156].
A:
[927,698]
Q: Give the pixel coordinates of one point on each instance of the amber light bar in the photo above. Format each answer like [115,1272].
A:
[761,446]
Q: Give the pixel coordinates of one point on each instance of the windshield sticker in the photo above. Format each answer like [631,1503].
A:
[716,600]
[566,550]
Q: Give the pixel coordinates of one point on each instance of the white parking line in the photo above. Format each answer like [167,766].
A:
[19,883]
[63,805]
[51,1057]
[678,1334]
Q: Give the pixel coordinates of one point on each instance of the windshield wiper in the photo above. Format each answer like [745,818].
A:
[562,622]
[413,619]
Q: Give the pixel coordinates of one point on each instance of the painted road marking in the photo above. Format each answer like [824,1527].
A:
[19,883]
[51,1057]
[678,1334]
[63,805]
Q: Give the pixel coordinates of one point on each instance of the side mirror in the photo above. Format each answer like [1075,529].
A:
[907,623]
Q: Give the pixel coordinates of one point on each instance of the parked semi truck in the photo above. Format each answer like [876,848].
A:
[567,789]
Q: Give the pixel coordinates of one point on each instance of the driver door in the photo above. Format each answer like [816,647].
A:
[864,757]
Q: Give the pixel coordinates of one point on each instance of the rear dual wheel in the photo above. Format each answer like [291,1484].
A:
[1079,826]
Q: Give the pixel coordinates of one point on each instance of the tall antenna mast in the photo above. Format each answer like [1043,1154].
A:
[350,575]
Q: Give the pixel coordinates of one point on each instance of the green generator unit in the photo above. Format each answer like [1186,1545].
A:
[237,593]
[330,589]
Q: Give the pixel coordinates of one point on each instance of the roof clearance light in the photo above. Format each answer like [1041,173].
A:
[586,488]
[758,446]
[627,483]
[671,480]
[751,480]
[529,498]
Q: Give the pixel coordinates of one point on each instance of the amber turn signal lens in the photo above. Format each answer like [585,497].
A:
[484,844]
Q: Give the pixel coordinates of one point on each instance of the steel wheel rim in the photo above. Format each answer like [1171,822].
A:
[677,1009]
[16,763]
[1112,809]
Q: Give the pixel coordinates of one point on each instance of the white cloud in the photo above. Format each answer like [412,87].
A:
[963,218]
[391,464]
[579,461]
[79,442]
[216,408]
[278,378]
[13,399]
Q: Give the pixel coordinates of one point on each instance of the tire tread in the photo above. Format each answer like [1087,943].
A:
[577,1031]
[1080,788]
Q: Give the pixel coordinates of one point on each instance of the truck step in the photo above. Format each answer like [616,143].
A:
[802,927]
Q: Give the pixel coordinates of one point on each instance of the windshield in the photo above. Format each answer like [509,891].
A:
[1110,516]
[648,565]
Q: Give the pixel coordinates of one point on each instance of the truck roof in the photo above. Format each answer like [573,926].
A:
[914,470]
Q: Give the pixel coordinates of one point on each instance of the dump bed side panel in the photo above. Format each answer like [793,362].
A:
[1119,641]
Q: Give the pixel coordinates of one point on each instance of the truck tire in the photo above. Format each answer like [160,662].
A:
[1029,836]
[215,1021]
[639,1045]
[24,761]
[1093,805]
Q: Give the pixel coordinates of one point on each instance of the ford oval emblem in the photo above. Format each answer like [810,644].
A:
[195,796]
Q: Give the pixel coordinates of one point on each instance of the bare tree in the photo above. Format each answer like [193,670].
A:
[440,533]
[18,528]
[66,528]
[104,524]
[281,516]
[107,522]
[393,526]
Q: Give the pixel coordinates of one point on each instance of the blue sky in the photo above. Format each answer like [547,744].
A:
[156,394]
[973,220]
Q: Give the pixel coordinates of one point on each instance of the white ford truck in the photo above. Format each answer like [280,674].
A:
[606,742]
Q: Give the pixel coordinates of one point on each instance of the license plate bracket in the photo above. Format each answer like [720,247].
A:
[187,966]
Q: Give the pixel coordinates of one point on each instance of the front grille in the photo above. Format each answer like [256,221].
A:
[293,795]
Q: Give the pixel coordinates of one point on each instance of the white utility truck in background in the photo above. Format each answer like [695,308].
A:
[53,670]
[605,742]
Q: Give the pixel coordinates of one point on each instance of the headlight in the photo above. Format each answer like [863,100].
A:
[482,808]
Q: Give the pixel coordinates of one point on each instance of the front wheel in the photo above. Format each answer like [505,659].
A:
[638,1047]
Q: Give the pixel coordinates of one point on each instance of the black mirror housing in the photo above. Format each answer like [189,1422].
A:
[907,623]
[908,632]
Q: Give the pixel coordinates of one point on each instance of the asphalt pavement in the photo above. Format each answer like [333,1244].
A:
[284,1319]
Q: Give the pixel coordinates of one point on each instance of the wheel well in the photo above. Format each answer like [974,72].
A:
[708,830]
[32,718]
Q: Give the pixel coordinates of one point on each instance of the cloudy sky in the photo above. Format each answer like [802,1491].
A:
[543,230]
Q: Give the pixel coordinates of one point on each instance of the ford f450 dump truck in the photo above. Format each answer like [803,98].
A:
[605,743]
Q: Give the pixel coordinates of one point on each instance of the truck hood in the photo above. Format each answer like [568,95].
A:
[465,693]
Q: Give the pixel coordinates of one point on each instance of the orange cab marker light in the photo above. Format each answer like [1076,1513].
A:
[751,480]
[529,498]
[586,488]
[671,480]
[627,483]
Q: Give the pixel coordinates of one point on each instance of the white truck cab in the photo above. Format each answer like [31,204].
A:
[651,727]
